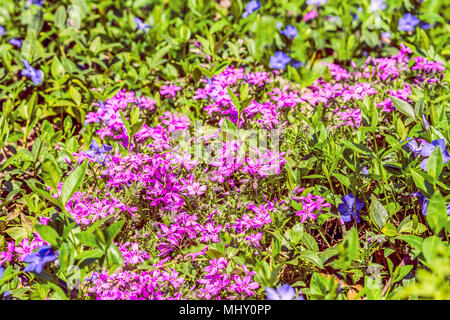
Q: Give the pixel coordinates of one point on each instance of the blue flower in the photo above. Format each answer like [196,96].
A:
[2,270]
[376,5]
[16,42]
[413,146]
[425,26]
[316,3]
[2,31]
[428,148]
[251,7]
[35,2]
[424,203]
[365,171]
[296,63]
[350,208]
[279,60]
[425,123]
[97,153]
[408,22]
[141,25]
[35,75]
[285,292]
[290,32]
[38,260]
[386,35]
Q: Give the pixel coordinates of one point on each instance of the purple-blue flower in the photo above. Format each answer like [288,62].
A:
[424,203]
[290,31]
[425,26]
[284,292]
[97,153]
[16,42]
[35,75]
[386,35]
[35,2]
[425,123]
[141,25]
[251,7]
[38,260]
[2,270]
[2,31]
[413,146]
[408,22]
[350,208]
[316,3]
[365,171]
[376,5]
[427,149]
[296,63]
[279,60]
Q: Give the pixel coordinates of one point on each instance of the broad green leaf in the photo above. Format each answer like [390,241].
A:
[113,230]
[435,163]
[88,239]
[73,182]
[389,229]
[51,173]
[437,212]
[378,211]
[403,106]
[48,234]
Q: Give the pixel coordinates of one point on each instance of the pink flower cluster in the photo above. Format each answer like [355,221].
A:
[218,284]
[128,285]
[312,206]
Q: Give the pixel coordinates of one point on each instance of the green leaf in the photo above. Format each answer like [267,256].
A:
[389,230]
[295,234]
[48,234]
[309,242]
[435,163]
[44,194]
[401,272]
[51,173]
[60,17]
[65,256]
[437,213]
[113,230]
[89,254]
[73,182]
[378,211]
[114,255]
[311,257]
[75,95]
[17,232]
[404,107]
[413,241]
[88,239]
[234,99]
[430,246]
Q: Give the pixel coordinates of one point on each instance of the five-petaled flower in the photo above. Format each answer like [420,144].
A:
[284,292]
[279,60]
[408,22]
[38,260]
[97,153]
[427,149]
[141,25]
[350,208]
[35,75]
[290,31]
[251,7]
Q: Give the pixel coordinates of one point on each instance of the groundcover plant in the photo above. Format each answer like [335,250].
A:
[281,150]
